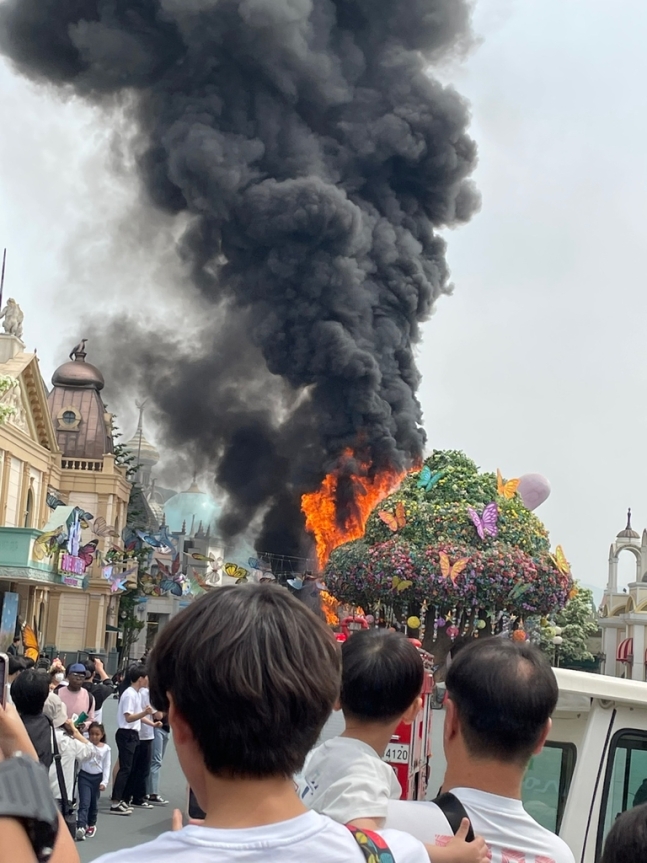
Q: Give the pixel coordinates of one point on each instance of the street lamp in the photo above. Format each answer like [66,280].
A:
[557,642]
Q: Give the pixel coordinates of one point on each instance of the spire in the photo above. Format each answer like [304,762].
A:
[183,531]
[628,532]
[200,533]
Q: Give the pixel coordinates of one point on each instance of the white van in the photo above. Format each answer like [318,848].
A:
[594,765]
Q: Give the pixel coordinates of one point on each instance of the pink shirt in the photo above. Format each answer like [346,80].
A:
[76,702]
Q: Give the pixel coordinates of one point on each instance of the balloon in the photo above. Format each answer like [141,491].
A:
[369,618]
[480,624]
[452,631]
[518,635]
[533,490]
[413,623]
[440,621]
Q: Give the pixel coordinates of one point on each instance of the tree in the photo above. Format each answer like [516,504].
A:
[398,571]
[578,623]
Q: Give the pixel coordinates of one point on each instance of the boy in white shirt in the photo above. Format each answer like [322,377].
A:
[345,777]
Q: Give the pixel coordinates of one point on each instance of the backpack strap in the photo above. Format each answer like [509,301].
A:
[454,812]
[372,845]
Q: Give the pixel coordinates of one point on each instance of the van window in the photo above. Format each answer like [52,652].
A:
[546,783]
[625,784]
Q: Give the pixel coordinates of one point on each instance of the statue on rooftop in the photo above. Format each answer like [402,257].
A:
[78,350]
[13,318]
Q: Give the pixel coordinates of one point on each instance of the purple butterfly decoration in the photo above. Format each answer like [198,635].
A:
[486,523]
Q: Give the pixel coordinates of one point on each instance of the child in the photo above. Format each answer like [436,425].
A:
[93,778]
[249,675]
[345,777]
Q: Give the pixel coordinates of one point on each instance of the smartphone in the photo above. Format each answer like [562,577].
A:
[194,809]
[80,720]
[4,677]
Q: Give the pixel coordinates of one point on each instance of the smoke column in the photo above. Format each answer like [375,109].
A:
[315,160]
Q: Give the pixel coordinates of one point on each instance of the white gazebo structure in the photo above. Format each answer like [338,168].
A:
[623,613]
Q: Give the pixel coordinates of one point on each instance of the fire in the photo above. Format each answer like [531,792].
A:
[338,511]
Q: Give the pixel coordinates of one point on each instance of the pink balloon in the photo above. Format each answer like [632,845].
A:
[533,490]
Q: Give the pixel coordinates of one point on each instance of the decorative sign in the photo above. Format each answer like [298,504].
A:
[72,581]
[70,563]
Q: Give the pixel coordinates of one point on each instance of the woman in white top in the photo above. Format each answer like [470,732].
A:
[71,745]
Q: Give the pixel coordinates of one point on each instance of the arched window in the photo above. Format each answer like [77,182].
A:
[29,507]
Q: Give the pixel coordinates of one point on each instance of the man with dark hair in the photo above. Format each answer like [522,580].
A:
[14,647]
[129,716]
[248,676]
[98,684]
[29,692]
[500,698]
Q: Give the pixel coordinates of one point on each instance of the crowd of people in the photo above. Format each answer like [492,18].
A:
[247,677]
[61,709]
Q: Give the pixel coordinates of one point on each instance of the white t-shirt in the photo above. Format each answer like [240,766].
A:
[310,837]
[129,703]
[97,760]
[146,732]
[511,834]
[346,779]
[72,750]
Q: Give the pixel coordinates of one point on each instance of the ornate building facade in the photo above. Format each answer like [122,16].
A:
[57,444]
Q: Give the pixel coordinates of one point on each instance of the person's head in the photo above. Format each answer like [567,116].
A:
[75,674]
[56,677]
[16,641]
[97,733]
[90,668]
[137,676]
[500,697]
[248,675]
[381,678]
[627,839]
[29,691]
[55,710]
[16,665]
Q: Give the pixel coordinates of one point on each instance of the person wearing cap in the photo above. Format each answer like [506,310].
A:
[75,697]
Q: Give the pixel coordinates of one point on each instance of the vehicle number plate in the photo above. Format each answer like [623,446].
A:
[397,753]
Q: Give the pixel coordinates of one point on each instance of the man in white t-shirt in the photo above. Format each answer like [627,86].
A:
[129,715]
[143,753]
[249,676]
[500,697]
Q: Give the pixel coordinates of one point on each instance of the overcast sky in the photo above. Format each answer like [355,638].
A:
[538,362]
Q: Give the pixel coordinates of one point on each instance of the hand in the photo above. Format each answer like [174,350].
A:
[468,852]
[98,664]
[102,787]
[69,726]
[13,734]
[149,710]
[176,821]
[158,724]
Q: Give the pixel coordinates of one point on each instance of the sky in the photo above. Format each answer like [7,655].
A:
[536,363]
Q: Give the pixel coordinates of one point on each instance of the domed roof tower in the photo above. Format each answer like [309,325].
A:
[82,424]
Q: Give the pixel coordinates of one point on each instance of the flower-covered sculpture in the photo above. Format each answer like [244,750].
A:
[454,547]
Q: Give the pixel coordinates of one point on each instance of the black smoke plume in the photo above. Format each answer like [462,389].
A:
[316,160]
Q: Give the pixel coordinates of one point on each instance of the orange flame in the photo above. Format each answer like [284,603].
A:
[331,524]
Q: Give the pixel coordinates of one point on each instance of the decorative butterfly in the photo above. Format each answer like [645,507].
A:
[86,582]
[200,579]
[167,540]
[237,572]
[46,544]
[171,585]
[106,572]
[506,489]
[518,590]
[31,649]
[560,561]
[452,571]
[151,540]
[428,479]
[400,584]
[298,583]
[117,584]
[214,562]
[53,501]
[84,517]
[87,551]
[394,521]
[487,523]
[100,527]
